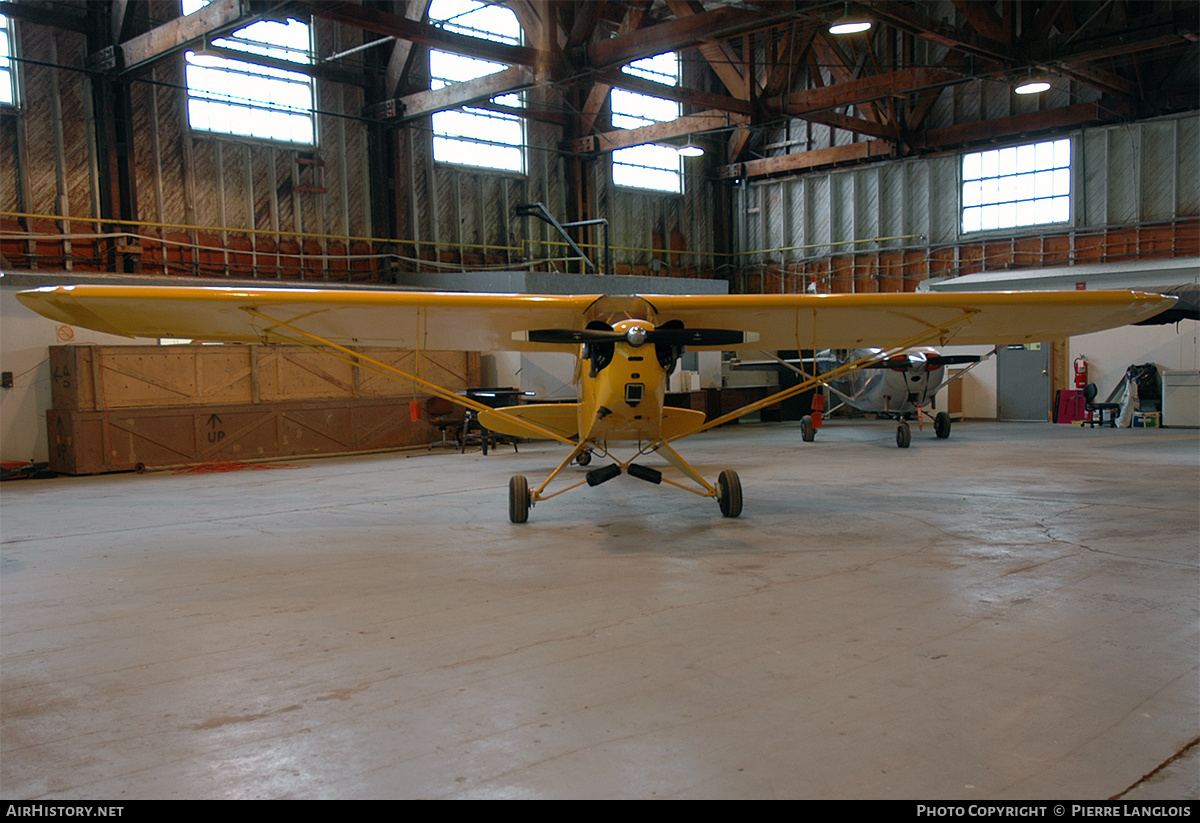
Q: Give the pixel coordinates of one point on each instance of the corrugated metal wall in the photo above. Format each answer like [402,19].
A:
[1125,176]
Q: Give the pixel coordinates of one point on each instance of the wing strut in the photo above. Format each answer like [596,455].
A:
[350,356]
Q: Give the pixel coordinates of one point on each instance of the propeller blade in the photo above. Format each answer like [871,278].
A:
[569,336]
[699,337]
[951,359]
[663,335]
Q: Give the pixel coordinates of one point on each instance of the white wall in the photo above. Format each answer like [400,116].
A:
[1109,354]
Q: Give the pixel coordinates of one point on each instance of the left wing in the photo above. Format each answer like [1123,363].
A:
[486,322]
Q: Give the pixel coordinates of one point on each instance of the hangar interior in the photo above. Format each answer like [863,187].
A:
[1010,613]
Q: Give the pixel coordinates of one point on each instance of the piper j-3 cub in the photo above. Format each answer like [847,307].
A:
[627,346]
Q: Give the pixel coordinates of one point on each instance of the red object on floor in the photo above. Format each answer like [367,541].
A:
[1071,405]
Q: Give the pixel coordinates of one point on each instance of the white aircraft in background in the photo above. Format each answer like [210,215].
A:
[899,387]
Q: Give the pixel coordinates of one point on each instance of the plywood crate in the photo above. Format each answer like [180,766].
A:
[92,442]
[91,378]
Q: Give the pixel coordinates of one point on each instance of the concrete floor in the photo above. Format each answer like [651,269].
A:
[1011,613]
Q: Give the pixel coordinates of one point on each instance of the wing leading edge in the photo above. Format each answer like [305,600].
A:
[485,322]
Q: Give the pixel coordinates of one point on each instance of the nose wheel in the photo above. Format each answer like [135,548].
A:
[729,493]
[903,435]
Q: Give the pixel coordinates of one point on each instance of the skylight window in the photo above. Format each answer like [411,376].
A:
[241,98]
[1018,186]
[649,166]
[8,77]
[476,136]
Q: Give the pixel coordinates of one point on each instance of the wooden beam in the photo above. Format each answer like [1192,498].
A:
[1098,78]
[853,124]
[454,95]
[381,22]
[615,78]
[907,17]
[841,68]
[73,18]
[853,152]
[528,112]
[673,35]
[400,61]
[598,94]
[587,15]
[983,19]
[790,54]
[218,17]
[722,59]
[624,138]
[856,92]
[324,71]
[1018,125]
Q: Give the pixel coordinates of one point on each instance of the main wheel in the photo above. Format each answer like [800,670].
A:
[808,432]
[518,499]
[729,493]
[941,425]
[903,436]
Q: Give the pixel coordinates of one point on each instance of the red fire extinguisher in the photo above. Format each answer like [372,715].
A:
[1081,379]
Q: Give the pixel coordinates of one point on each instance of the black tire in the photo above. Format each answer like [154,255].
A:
[518,499]
[584,458]
[941,425]
[903,436]
[808,432]
[729,493]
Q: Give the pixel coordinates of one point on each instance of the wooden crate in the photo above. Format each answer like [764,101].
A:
[92,378]
[92,442]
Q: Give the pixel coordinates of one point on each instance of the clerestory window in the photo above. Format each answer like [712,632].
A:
[8,76]
[237,97]
[475,136]
[649,166]
[1017,186]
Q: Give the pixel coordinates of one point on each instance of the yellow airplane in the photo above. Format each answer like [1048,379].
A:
[627,346]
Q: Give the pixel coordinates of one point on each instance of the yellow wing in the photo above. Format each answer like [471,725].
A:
[485,322]
[847,321]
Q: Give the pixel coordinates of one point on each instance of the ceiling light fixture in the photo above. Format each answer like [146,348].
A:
[849,23]
[1033,84]
[690,149]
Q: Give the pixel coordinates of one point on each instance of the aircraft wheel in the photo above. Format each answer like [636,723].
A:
[808,432]
[518,499]
[729,493]
[941,425]
[903,436]
[584,458]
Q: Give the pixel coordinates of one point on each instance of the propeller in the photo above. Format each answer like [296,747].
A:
[665,335]
[930,362]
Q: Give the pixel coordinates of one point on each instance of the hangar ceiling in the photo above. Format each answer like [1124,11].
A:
[754,67]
